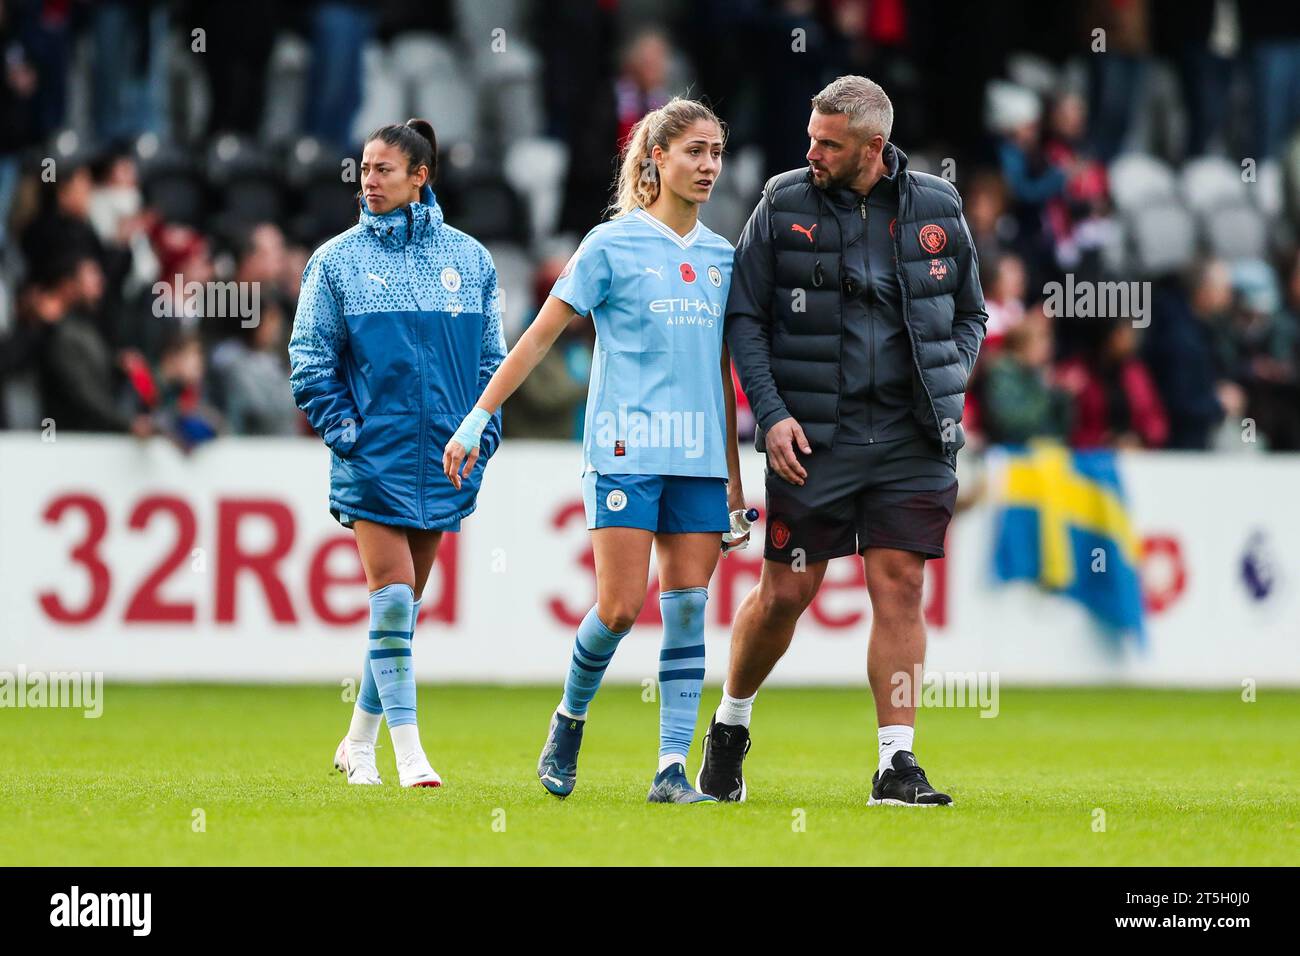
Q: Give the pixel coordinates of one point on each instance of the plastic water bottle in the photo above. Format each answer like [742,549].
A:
[742,519]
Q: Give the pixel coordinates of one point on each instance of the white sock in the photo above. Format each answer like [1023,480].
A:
[893,738]
[365,726]
[667,760]
[564,713]
[406,740]
[734,711]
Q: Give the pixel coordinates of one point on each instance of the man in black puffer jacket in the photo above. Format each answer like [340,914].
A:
[854,319]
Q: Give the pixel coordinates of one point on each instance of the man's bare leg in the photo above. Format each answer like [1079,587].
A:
[894,581]
[765,623]
[761,633]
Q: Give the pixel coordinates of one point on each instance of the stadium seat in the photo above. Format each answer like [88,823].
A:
[515,279]
[726,214]
[475,21]
[1137,179]
[1161,238]
[325,203]
[923,162]
[20,392]
[535,168]
[247,179]
[172,182]
[1211,181]
[1034,72]
[417,74]
[488,209]
[286,87]
[742,174]
[510,92]
[1236,231]
[1268,190]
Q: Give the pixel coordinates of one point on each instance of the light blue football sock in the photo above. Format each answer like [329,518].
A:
[390,652]
[368,698]
[681,667]
[592,650]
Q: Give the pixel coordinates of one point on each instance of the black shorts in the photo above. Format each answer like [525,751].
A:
[892,494]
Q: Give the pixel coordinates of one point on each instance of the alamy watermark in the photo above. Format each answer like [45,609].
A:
[128,910]
[920,688]
[79,690]
[1098,300]
[637,429]
[213,300]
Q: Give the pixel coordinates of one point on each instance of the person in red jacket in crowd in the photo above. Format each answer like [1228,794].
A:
[1116,404]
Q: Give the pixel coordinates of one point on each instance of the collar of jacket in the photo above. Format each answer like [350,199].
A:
[413,223]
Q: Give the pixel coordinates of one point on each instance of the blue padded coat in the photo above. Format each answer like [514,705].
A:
[398,331]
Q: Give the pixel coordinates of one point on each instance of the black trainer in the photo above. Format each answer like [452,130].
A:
[725,746]
[904,785]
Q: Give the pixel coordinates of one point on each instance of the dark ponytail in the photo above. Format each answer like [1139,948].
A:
[417,142]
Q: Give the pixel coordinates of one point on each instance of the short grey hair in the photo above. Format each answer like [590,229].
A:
[862,101]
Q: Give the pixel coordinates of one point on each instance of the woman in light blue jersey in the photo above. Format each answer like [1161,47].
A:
[398,329]
[660,463]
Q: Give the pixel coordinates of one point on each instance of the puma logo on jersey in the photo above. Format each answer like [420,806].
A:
[657,273]
[806,230]
[379,279]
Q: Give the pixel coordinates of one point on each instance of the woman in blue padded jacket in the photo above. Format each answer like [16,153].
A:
[398,330]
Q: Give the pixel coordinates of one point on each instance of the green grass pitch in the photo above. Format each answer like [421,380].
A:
[1183,778]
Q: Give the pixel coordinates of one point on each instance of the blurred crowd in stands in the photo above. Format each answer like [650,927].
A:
[146,147]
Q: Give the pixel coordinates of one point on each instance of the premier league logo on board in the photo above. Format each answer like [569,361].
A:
[715,276]
[450,279]
[1259,567]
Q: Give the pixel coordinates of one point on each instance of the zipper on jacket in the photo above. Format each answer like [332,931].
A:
[839,364]
[424,395]
[871,326]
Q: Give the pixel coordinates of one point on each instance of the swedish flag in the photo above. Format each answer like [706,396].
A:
[1063,523]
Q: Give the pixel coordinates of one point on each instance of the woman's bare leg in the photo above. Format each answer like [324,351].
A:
[390,568]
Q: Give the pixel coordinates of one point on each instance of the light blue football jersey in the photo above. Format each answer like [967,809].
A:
[654,405]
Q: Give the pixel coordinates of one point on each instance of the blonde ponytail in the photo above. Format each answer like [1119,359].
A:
[637,184]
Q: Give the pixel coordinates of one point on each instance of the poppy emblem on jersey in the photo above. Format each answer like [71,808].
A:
[620,449]
[780,535]
[938,268]
[450,279]
[715,276]
[933,239]
[806,230]
[688,273]
[616,500]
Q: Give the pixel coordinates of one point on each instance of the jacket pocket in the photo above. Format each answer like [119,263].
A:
[341,446]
